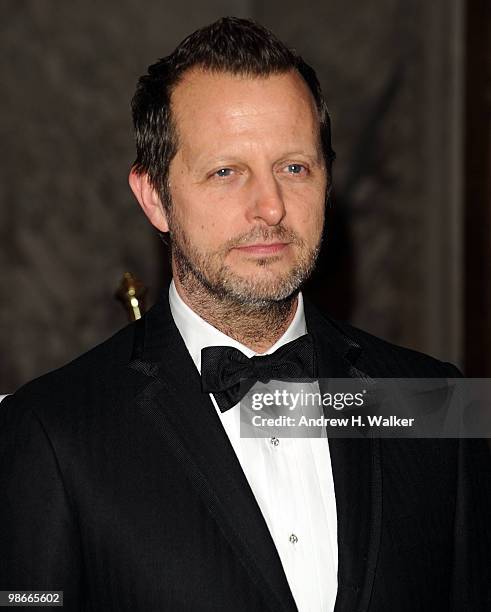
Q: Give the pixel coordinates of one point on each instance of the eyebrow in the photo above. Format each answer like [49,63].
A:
[314,157]
[230,159]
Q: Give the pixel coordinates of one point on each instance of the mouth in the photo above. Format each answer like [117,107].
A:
[263,249]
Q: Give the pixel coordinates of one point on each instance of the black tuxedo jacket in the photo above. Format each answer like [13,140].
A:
[119,486]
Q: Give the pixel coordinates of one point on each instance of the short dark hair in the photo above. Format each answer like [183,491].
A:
[230,45]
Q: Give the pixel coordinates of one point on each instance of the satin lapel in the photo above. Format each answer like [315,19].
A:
[356,467]
[188,421]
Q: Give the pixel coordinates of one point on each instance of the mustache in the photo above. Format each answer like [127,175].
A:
[264,234]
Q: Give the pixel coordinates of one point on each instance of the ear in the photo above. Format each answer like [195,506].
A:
[149,200]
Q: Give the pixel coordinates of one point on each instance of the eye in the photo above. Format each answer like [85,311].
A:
[296,169]
[223,172]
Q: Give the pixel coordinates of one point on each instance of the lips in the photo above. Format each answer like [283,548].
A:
[263,248]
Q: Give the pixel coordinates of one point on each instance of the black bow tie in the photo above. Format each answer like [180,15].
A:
[223,367]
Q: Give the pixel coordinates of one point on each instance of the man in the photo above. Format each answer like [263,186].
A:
[125,481]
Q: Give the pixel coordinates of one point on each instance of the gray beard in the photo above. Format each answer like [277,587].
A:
[255,314]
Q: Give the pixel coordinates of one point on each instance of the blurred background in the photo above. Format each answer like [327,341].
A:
[407,254]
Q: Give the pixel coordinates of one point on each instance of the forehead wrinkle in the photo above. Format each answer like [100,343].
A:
[255,122]
[242,146]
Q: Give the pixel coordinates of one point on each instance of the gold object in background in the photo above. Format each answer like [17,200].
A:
[131,293]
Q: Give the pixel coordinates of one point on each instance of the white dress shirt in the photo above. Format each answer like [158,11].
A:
[291,478]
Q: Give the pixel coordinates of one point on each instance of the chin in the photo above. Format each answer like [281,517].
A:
[255,289]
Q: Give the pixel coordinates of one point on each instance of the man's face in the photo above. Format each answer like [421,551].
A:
[247,185]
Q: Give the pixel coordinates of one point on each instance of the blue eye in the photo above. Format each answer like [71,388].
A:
[295,168]
[223,172]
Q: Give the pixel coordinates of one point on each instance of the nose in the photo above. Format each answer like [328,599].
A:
[266,201]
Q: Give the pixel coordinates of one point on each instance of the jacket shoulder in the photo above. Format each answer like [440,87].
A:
[381,358]
[87,373]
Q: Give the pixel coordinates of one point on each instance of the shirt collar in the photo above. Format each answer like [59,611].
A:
[198,333]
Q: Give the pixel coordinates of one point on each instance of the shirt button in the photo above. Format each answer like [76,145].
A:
[293,538]
[274,441]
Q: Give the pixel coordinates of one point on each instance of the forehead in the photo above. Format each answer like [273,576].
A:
[277,106]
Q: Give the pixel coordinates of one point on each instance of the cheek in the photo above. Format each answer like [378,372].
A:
[204,226]
[307,214]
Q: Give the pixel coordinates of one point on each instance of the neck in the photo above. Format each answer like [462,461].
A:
[256,326]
